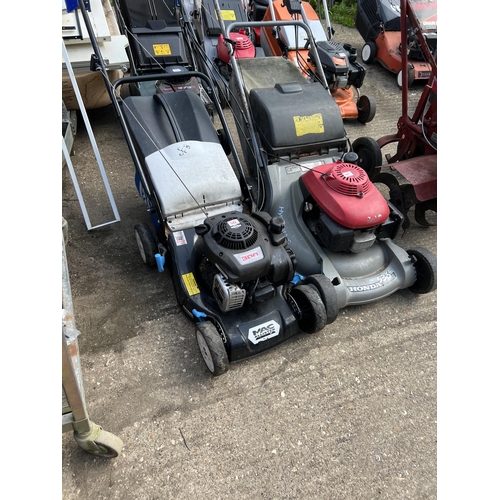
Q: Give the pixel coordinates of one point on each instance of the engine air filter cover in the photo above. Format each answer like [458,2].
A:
[346,194]
[235,233]
[242,46]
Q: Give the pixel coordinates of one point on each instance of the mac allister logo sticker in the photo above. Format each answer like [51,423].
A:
[264,331]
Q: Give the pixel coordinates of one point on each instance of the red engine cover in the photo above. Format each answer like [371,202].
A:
[347,195]
[244,47]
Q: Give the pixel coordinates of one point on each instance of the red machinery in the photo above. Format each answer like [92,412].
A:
[416,137]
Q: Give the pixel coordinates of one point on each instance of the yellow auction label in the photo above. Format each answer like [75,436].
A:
[312,124]
[190,283]
[228,15]
[162,49]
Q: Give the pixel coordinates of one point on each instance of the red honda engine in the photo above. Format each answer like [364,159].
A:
[243,46]
[344,210]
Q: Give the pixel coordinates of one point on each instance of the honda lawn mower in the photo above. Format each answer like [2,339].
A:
[380,23]
[302,170]
[233,272]
[416,138]
[343,73]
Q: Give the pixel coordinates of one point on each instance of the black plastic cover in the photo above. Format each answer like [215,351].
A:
[136,13]
[295,118]
[157,121]
[233,9]
[367,20]
[153,50]
[332,235]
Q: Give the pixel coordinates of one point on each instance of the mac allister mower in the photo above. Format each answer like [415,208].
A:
[234,272]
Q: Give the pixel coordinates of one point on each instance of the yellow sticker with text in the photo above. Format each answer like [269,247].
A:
[162,49]
[312,124]
[190,283]
[228,15]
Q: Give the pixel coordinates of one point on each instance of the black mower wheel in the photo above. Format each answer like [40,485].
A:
[321,284]
[311,310]
[367,107]
[146,242]
[212,348]
[369,155]
[368,52]
[426,269]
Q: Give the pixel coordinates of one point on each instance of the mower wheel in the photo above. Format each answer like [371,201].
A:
[311,310]
[367,107]
[146,242]
[321,284]
[212,348]
[411,78]
[369,155]
[368,52]
[426,270]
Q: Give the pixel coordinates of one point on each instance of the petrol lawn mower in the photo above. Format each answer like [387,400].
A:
[416,138]
[207,18]
[233,272]
[302,169]
[158,42]
[344,74]
[380,23]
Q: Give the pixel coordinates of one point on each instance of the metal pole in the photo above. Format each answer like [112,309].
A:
[92,141]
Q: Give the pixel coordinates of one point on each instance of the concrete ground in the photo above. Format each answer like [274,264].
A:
[347,413]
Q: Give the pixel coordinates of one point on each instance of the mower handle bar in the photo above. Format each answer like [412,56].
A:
[159,76]
[272,24]
[246,108]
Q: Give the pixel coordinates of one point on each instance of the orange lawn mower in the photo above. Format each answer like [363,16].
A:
[380,22]
[343,73]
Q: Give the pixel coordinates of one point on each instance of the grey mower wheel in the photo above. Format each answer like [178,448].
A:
[426,270]
[212,348]
[311,310]
[146,243]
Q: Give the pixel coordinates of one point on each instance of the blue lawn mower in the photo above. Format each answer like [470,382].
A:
[232,268]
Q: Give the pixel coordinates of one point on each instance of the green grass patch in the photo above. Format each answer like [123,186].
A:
[343,12]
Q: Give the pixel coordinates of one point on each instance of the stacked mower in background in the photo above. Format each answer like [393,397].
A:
[402,41]
[340,69]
